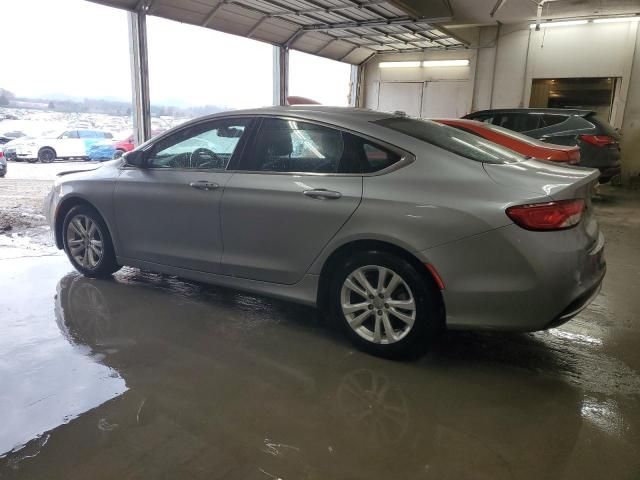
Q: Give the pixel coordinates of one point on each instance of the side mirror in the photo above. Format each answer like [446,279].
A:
[135,158]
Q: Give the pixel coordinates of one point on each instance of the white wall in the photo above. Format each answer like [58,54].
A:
[505,60]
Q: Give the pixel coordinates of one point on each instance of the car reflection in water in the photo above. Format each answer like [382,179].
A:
[234,386]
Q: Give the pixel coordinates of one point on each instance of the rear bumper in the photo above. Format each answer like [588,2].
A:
[578,305]
[517,280]
[606,173]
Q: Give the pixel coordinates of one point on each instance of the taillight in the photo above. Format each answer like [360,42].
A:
[1,154]
[598,140]
[547,216]
[574,157]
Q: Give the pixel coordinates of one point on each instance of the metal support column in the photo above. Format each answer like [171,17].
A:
[280,75]
[139,75]
[354,85]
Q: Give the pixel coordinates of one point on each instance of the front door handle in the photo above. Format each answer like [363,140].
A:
[204,185]
[322,194]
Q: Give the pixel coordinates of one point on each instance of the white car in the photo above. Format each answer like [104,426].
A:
[65,145]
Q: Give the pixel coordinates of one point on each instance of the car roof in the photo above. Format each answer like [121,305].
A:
[460,121]
[563,111]
[321,113]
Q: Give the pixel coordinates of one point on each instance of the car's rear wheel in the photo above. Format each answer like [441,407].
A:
[46,155]
[87,242]
[384,305]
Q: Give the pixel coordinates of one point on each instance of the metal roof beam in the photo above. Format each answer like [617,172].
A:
[368,23]
[319,9]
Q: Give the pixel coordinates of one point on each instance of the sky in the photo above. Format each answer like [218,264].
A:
[79,49]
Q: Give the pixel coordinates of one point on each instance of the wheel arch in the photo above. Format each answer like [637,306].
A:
[343,252]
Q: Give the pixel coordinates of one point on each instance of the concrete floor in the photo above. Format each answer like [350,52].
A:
[150,377]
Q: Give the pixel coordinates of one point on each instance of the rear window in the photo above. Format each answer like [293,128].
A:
[451,139]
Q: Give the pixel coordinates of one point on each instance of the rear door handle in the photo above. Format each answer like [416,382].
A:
[204,185]
[322,194]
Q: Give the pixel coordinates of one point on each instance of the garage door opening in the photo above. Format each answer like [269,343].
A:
[586,93]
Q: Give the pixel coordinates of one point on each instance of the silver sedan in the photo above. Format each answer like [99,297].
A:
[397,226]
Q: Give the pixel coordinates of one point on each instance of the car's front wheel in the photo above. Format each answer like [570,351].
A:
[385,306]
[87,242]
[46,155]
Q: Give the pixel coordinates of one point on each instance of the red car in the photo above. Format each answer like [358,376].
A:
[519,143]
[126,144]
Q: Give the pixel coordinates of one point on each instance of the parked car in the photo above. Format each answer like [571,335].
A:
[527,146]
[125,145]
[8,136]
[3,165]
[599,143]
[398,226]
[65,145]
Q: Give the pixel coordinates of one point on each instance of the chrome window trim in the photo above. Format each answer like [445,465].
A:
[406,157]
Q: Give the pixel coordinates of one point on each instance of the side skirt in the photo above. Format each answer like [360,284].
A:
[304,292]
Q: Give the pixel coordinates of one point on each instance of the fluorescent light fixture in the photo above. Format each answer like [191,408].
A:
[568,23]
[445,63]
[617,19]
[399,64]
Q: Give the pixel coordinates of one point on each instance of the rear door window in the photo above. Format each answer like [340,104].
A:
[451,139]
[292,146]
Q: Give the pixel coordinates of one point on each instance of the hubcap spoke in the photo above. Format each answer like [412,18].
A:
[377,334]
[362,280]
[388,329]
[352,286]
[357,321]
[401,316]
[355,307]
[393,284]
[403,304]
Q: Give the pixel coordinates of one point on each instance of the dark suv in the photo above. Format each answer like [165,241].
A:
[598,141]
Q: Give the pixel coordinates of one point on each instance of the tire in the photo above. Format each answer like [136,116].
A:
[46,155]
[92,264]
[118,154]
[407,339]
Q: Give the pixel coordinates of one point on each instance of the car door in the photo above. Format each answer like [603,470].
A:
[168,211]
[286,200]
[69,145]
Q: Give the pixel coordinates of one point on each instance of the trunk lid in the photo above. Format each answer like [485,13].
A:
[544,178]
[554,181]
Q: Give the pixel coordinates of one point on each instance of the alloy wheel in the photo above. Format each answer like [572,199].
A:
[378,304]
[84,241]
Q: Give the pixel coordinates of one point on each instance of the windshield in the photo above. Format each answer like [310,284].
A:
[451,139]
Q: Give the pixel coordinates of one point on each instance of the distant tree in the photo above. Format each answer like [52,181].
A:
[52,105]
[4,101]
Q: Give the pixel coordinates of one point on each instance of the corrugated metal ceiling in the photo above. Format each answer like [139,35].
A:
[345,30]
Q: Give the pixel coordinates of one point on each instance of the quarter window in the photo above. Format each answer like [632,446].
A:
[203,146]
[70,134]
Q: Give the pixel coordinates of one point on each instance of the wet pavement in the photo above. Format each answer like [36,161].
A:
[146,376]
